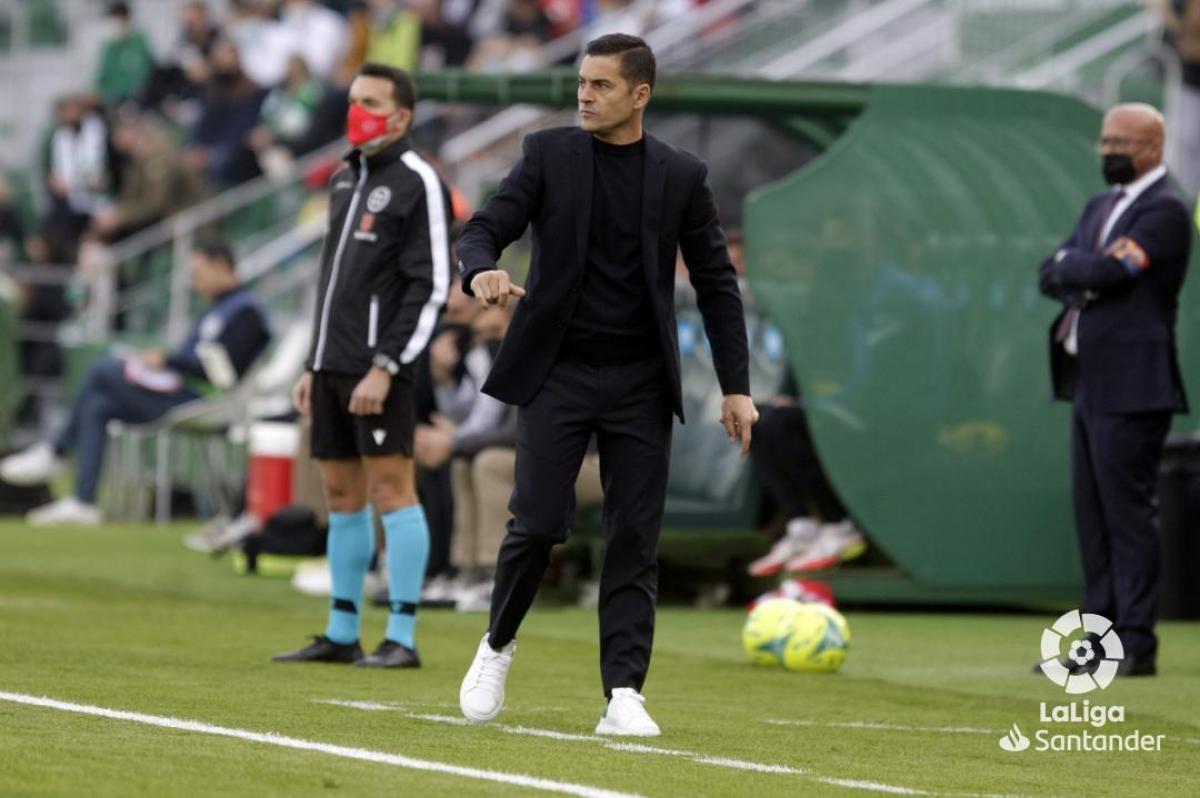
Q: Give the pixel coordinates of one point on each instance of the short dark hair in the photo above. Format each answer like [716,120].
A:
[119,9]
[637,59]
[216,250]
[403,89]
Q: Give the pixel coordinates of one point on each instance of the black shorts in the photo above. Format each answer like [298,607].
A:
[337,434]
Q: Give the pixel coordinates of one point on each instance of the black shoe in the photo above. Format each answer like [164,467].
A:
[1137,666]
[391,654]
[322,649]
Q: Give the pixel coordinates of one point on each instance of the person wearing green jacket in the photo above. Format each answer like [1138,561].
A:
[126,61]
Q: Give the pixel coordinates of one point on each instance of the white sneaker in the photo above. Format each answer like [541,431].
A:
[475,598]
[222,534]
[626,717]
[835,543]
[799,534]
[482,693]
[68,511]
[313,578]
[438,591]
[35,466]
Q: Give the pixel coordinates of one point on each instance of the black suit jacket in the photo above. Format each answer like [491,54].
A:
[550,189]
[1127,361]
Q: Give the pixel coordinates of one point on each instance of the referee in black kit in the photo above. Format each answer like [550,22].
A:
[385,275]
[592,349]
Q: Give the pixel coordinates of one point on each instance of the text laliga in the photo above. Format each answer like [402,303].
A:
[1084,712]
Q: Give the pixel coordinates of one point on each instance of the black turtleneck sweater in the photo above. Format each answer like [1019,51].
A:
[614,320]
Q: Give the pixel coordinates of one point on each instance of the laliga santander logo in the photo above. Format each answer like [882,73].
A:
[1085,669]
[1014,741]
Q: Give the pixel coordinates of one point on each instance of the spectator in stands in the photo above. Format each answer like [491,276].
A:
[468,421]
[78,169]
[219,147]
[523,29]
[1113,355]
[623,16]
[155,184]
[1182,20]
[12,228]
[43,306]
[126,61]
[394,35]
[262,43]
[287,117]
[178,83]
[819,533]
[445,40]
[318,34]
[144,387]
[438,371]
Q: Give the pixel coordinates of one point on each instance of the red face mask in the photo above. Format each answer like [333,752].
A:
[363,127]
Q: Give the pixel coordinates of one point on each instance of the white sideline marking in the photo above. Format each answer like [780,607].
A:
[616,745]
[862,724]
[863,785]
[362,754]
[398,706]
[858,784]
[640,748]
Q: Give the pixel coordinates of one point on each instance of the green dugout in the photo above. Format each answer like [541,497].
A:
[901,266]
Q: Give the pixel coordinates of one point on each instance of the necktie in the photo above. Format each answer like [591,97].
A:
[1071,317]
[1109,207]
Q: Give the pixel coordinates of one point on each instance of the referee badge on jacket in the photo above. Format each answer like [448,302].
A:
[378,199]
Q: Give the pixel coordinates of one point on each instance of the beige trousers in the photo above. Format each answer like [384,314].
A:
[482,486]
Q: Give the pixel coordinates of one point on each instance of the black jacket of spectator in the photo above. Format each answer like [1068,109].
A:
[237,322]
[550,188]
[230,112]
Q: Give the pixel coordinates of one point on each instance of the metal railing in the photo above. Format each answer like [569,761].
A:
[177,235]
[852,30]
[1137,28]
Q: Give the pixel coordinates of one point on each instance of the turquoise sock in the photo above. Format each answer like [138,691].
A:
[407,553]
[351,545]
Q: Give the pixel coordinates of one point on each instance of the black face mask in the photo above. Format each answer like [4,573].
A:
[1118,169]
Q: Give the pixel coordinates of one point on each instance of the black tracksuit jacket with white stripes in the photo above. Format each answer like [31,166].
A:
[385,263]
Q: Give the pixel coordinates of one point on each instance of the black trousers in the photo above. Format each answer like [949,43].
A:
[1114,470]
[788,466]
[437,498]
[628,409]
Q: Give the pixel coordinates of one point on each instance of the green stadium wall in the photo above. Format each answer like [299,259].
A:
[901,266]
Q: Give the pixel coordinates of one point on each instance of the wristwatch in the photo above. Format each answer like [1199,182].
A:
[382,361]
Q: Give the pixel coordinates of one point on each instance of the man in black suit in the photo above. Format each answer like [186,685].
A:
[592,349]
[1112,352]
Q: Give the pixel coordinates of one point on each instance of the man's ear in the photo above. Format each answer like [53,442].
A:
[641,95]
[402,119]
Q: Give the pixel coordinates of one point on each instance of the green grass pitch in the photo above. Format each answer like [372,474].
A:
[126,619]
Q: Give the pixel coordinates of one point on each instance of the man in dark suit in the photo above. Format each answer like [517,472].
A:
[592,350]
[1112,353]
